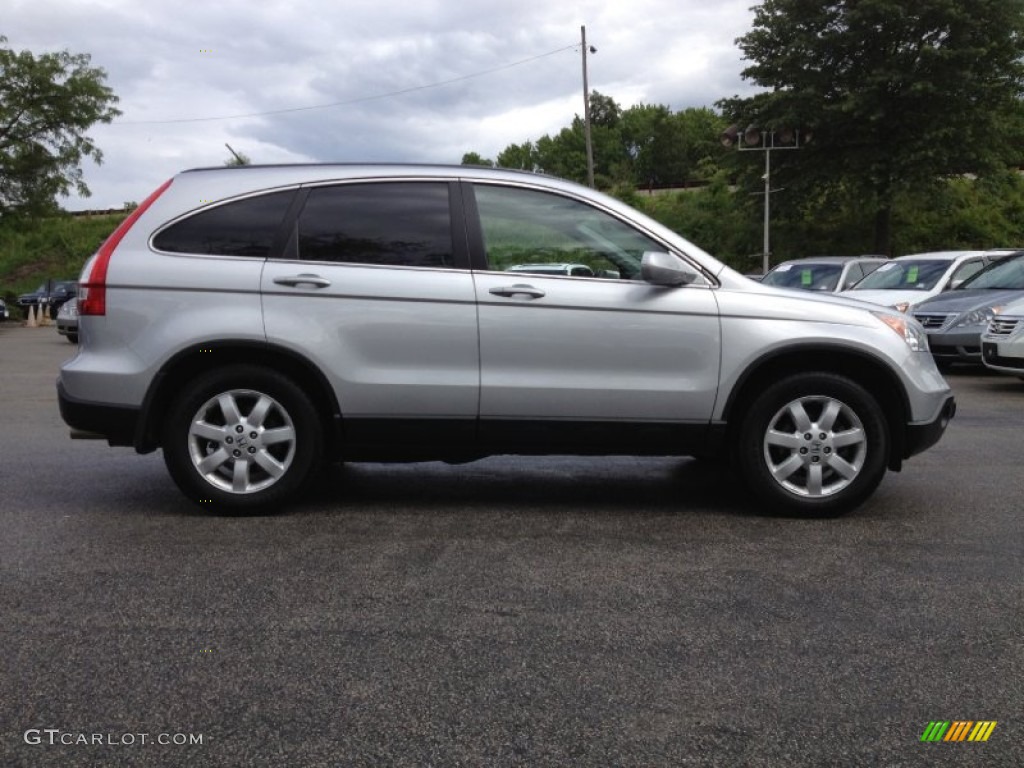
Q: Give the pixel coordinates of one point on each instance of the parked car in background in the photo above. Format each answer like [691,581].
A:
[67,320]
[1002,343]
[368,313]
[906,281]
[5,313]
[51,294]
[829,274]
[954,320]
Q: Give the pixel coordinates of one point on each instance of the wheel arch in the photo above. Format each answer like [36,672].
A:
[207,356]
[867,370]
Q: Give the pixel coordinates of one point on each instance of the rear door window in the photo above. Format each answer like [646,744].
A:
[405,224]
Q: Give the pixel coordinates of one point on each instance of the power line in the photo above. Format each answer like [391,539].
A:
[359,100]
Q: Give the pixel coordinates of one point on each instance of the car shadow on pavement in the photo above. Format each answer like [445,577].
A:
[613,485]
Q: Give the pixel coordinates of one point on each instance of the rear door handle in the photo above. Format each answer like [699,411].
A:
[304,279]
[518,289]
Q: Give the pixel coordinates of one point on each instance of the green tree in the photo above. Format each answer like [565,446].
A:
[522,157]
[475,158]
[47,103]
[900,93]
[699,145]
[671,149]
[565,153]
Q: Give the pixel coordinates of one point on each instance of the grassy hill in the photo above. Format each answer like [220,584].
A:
[56,247]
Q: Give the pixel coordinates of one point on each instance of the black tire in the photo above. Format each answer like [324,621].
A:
[287,438]
[73,338]
[819,466]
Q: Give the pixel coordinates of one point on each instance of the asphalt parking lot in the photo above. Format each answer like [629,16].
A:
[534,612]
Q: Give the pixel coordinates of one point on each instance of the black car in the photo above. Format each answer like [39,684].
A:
[52,293]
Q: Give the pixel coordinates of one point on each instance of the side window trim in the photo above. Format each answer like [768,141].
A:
[286,241]
[460,232]
[474,229]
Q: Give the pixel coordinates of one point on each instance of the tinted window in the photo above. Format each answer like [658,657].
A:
[401,224]
[538,232]
[242,228]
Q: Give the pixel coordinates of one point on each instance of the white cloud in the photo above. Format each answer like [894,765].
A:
[174,60]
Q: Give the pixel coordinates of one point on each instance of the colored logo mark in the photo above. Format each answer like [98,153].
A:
[958,730]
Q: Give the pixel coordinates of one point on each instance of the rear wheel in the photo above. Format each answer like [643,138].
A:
[814,445]
[242,439]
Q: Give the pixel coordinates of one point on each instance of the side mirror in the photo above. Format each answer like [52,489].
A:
[659,268]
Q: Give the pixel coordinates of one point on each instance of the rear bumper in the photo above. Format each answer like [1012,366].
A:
[115,422]
[921,437]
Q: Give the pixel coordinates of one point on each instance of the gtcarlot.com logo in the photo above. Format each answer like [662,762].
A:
[958,730]
[57,737]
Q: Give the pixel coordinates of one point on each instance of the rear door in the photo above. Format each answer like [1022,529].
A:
[376,291]
[601,362]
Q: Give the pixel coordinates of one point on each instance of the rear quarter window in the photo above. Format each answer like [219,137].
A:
[240,228]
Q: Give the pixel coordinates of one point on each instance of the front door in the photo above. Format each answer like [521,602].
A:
[574,347]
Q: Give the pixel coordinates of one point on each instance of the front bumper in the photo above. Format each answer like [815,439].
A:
[921,437]
[956,347]
[994,356]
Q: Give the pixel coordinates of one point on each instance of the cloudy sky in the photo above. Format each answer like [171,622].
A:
[416,80]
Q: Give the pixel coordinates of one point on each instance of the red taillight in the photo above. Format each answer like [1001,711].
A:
[92,293]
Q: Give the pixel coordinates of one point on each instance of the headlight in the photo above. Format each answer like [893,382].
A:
[903,306]
[978,316]
[908,328]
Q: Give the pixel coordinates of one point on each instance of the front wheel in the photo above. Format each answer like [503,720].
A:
[241,439]
[814,445]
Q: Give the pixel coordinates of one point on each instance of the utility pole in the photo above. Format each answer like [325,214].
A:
[754,139]
[586,109]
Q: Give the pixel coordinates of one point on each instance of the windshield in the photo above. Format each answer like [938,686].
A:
[912,274]
[810,277]
[1007,273]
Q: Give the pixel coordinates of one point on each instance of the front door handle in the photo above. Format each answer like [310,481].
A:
[518,289]
[304,279]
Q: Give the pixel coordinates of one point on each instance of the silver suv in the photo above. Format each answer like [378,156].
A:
[254,322]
